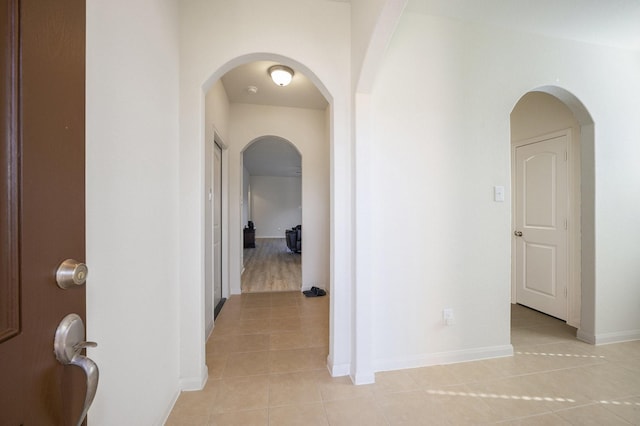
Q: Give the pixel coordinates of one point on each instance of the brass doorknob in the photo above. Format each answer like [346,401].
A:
[518,233]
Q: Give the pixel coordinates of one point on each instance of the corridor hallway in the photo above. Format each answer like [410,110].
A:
[267,366]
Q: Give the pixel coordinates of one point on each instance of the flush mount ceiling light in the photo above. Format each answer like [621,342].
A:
[281,75]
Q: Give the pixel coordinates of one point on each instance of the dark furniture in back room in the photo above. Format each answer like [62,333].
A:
[293,237]
[249,236]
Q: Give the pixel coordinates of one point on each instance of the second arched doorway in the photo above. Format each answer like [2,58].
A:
[272,216]
[551,138]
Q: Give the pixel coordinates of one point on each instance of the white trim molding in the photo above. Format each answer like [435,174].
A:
[617,337]
[195,383]
[363,379]
[167,412]
[586,337]
[338,370]
[439,358]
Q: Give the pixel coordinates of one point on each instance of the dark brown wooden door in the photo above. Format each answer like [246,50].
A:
[41,204]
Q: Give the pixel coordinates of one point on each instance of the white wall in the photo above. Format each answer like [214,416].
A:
[276,204]
[441,141]
[215,37]
[306,129]
[217,112]
[372,25]
[132,208]
[364,18]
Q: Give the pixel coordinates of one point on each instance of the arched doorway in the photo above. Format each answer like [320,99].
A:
[553,186]
[240,123]
[271,209]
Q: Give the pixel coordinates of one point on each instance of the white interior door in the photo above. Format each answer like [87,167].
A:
[541,226]
[217,226]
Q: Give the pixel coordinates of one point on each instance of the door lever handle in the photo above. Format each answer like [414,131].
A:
[68,344]
[78,347]
[91,370]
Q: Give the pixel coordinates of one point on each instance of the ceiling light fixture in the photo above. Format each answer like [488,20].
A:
[281,75]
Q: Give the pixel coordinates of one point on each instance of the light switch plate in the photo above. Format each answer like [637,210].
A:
[498,193]
[447,316]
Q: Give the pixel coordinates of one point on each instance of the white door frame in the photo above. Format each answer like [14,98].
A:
[574,286]
[209,264]
[224,220]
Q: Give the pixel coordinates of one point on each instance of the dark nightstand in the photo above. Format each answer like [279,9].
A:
[249,238]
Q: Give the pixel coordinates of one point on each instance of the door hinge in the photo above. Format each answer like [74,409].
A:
[565,292]
[566,156]
[566,224]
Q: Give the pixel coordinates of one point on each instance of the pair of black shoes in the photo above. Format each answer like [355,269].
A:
[314,292]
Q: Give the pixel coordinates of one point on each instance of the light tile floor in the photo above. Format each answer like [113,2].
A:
[267,357]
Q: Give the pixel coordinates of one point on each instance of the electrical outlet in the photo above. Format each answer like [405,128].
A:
[447,316]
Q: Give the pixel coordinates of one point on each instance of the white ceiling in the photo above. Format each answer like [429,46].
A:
[605,22]
[271,156]
[301,93]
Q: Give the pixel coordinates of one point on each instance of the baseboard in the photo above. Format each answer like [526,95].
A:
[218,308]
[440,358]
[617,337]
[586,337]
[167,411]
[209,330]
[337,370]
[195,383]
[363,379]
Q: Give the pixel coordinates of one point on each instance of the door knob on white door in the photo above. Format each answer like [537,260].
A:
[518,233]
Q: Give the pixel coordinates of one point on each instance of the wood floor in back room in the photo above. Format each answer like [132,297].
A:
[271,267]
